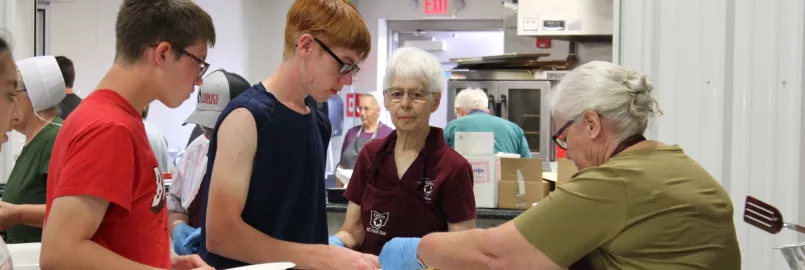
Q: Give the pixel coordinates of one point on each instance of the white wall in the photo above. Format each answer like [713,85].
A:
[248,34]
[729,79]
[17,23]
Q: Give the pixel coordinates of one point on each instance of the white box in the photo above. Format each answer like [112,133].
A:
[475,143]
[484,174]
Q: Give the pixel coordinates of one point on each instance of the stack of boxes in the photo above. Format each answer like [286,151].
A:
[502,180]
[479,149]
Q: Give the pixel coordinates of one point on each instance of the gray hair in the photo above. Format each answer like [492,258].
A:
[614,92]
[414,63]
[372,96]
[471,99]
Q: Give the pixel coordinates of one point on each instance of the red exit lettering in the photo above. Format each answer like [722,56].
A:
[435,7]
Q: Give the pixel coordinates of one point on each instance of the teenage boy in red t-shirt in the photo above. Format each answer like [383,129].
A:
[105,194]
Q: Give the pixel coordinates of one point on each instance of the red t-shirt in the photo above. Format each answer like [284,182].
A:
[102,151]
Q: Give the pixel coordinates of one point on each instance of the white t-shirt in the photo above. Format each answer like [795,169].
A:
[158,145]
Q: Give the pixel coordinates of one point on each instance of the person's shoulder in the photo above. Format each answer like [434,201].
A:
[351,131]
[198,142]
[384,130]
[372,147]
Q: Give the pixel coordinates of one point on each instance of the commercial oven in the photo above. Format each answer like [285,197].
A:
[519,96]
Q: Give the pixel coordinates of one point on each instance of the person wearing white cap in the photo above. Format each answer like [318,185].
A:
[184,198]
[22,210]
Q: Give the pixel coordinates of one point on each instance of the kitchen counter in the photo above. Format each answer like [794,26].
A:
[482,213]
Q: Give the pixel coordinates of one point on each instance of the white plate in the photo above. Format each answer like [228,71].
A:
[267,266]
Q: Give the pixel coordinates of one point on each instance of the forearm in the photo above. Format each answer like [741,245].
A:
[93,256]
[31,214]
[240,241]
[461,226]
[173,217]
[350,239]
[455,250]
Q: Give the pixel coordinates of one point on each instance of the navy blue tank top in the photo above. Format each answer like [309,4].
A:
[286,195]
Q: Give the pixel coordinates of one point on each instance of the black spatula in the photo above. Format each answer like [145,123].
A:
[766,217]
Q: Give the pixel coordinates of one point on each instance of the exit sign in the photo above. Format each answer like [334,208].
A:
[436,7]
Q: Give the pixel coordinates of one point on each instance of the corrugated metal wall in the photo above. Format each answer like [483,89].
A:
[729,78]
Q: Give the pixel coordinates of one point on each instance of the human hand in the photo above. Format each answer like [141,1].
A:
[188,245]
[371,259]
[189,262]
[344,258]
[335,241]
[181,230]
[400,254]
[9,216]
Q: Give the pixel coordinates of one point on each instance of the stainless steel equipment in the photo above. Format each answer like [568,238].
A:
[518,87]
[794,255]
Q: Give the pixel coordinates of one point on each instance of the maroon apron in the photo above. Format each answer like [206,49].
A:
[403,212]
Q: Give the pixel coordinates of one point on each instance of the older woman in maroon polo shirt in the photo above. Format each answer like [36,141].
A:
[410,183]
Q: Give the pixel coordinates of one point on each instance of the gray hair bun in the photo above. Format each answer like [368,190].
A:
[643,105]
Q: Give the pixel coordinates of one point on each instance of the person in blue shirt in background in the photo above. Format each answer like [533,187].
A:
[472,110]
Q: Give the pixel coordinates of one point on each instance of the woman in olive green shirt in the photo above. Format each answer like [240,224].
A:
[634,204]
[22,212]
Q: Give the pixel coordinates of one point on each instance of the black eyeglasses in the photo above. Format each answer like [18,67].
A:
[345,68]
[204,65]
[562,141]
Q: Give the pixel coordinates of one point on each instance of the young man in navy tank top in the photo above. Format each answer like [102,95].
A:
[265,179]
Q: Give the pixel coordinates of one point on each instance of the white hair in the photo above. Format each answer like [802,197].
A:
[614,92]
[414,63]
[372,96]
[472,99]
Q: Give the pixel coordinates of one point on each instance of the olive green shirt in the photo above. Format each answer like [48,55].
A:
[27,182]
[645,209]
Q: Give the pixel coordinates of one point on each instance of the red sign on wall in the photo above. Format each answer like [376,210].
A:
[434,7]
[353,102]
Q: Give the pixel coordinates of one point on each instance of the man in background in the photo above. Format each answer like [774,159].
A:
[184,199]
[472,110]
[71,100]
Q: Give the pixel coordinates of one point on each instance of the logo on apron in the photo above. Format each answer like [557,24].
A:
[377,222]
[159,197]
[428,189]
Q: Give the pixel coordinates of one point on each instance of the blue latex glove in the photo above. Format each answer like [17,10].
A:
[335,241]
[400,254]
[188,245]
[179,233]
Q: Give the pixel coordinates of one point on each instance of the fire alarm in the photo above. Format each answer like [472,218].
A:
[544,43]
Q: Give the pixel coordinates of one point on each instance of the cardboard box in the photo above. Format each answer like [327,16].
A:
[511,197]
[474,143]
[513,194]
[531,169]
[485,187]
